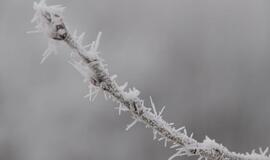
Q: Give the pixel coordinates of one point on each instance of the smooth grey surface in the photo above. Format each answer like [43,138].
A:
[207,61]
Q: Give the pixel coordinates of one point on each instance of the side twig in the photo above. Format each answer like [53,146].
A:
[49,20]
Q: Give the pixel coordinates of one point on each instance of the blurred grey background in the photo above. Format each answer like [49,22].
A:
[206,60]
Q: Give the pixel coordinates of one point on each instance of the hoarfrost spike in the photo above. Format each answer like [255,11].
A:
[161,111]
[50,50]
[165,142]
[97,41]
[83,70]
[121,108]
[122,88]
[80,38]
[131,124]
[191,136]
[180,153]
[180,129]
[185,132]
[87,46]
[93,92]
[175,145]
[161,138]
[105,95]
[113,77]
[133,93]
[153,106]
[154,134]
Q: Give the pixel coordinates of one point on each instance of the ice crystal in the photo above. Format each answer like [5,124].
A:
[121,108]
[153,106]
[131,124]
[122,87]
[93,92]
[50,50]
[132,93]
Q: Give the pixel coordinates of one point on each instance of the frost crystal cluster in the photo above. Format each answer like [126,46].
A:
[85,59]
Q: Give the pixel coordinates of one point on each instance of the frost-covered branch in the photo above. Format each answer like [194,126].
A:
[86,60]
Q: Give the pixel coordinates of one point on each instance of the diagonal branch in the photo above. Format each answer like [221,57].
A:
[49,20]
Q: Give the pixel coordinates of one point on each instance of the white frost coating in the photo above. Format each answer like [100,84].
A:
[42,25]
[41,10]
[93,69]
[83,68]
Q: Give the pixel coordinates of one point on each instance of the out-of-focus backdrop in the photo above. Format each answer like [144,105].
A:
[208,61]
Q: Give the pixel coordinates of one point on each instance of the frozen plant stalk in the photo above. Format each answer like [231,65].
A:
[49,20]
